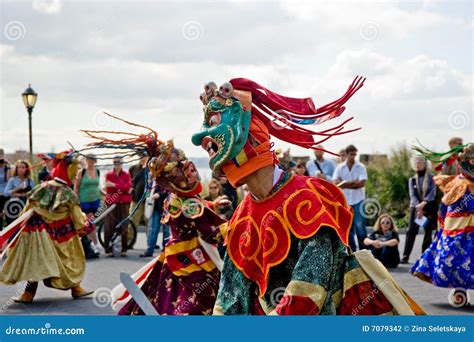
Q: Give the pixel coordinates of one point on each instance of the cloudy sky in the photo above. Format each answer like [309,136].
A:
[147,62]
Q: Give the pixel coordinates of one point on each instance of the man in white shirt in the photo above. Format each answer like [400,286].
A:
[320,167]
[350,176]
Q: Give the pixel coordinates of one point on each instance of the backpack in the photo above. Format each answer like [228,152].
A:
[6,168]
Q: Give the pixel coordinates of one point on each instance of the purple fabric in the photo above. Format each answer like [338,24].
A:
[193,294]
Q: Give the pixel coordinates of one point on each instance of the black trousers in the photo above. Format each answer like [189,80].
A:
[3,200]
[412,232]
[116,216]
[389,256]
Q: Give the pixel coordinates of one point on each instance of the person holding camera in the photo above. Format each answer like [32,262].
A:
[423,207]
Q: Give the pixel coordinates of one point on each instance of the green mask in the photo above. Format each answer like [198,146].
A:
[225,129]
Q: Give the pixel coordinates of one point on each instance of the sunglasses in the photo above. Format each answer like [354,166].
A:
[117,163]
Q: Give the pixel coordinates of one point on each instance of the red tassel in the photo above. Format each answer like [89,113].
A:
[267,105]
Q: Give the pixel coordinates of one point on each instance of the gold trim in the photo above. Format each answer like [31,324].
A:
[315,292]
[207,266]
[217,310]
[275,242]
[337,298]
[254,224]
[224,229]
[401,302]
[353,278]
[455,223]
[272,231]
[241,158]
[182,246]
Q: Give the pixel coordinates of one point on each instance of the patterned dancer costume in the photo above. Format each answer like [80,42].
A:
[287,253]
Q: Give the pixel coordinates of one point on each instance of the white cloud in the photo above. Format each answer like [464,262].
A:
[165,95]
[47,6]
[419,77]
[134,61]
[364,61]
[232,33]
[350,16]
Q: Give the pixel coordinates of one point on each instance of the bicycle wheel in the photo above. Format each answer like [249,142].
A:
[100,233]
[131,234]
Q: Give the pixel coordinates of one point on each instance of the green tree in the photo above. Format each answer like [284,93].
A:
[388,183]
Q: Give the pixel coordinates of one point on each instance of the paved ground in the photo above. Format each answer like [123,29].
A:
[102,274]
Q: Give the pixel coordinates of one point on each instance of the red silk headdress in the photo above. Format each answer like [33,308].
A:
[286,117]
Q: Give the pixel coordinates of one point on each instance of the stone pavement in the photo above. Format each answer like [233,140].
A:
[103,274]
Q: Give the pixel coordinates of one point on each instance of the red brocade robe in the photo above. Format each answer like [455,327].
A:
[287,255]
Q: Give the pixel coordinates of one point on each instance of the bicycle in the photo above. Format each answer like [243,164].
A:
[131,231]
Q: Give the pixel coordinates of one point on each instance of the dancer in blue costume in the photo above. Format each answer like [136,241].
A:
[447,262]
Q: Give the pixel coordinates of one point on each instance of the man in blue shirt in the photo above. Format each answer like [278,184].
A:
[320,167]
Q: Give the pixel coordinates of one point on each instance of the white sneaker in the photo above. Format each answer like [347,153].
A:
[100,248]
[95,248]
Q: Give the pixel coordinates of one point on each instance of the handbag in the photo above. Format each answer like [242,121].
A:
[149,207]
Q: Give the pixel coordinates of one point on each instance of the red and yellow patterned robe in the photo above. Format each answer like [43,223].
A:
[287,255]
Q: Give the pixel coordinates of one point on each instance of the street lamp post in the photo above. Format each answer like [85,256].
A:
[29,99]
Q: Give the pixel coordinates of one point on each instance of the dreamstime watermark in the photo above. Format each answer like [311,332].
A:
[459,119]
[102,297]
[11,300]
[268,219]
[277,295]
[14,30]
[370,208]
[101,121]
[192,30]
[201,287]
[458,297]
[96,35]
[98,32]
[108,202]
[46,330]
[370,297]
[369,31]
[199,290]
[281,121]
[464,203]
[13,207]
